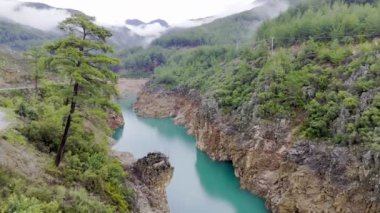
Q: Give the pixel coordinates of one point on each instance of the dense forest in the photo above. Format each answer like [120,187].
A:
[323,22]
[323,63]
[234,31]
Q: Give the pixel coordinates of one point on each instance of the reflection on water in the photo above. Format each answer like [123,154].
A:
[199,185]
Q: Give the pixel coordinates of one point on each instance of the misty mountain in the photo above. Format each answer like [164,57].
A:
[231,32]
[123,37]
[24,25]
[134,22]
[21,37]
[31,19]
[150,30]
[161,22]
[237,29]
[42,6]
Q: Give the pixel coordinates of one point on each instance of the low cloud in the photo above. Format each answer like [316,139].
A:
[148,30]
[231,9]
[271,8]
[43,19]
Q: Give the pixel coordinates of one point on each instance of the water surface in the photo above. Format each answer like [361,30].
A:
[199,185]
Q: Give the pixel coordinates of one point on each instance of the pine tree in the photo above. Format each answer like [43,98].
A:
[38,56]
[82,59]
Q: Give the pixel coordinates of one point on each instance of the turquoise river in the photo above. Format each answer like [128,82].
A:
[199,185]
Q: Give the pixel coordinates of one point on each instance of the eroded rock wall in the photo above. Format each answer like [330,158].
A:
[148,178]
[293,175]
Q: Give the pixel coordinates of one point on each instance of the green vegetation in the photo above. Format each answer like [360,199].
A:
[332,83]
[13,69]
[237,29]
[323,21]
[77,58]
[20,37]
[67,116]
[86,161]
[17,194]
[323,71]
[141,62]
[234,31]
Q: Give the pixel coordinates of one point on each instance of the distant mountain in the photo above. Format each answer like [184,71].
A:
[134,22]
[139,23]
[42,6]
[123,37]
[21,37]
[133,33]
[20,31]
[150,30]
[161,22]
[235,29]
[204,20]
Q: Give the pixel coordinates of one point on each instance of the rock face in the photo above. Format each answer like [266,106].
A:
[154,170]
[148,177]
[292,175]
[115,120]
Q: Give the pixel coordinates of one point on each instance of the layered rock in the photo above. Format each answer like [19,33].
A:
[148,177]
[294,175]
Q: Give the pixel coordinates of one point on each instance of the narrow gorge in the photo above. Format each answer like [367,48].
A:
[293,175]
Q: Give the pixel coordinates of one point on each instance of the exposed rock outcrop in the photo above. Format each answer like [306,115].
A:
[115,120]
[148,177]
[293,175]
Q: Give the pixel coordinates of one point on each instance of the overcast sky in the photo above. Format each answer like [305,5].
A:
[115,12]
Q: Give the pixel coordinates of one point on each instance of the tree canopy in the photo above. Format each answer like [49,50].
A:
[81,58]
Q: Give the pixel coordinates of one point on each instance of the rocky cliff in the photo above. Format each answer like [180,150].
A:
[293,175]
[148,178]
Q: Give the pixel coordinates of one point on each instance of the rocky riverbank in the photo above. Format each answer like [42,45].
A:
[292,174]
[148,177]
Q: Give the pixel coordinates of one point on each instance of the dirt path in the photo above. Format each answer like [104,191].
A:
[16,88]
[3,122]
[130,86]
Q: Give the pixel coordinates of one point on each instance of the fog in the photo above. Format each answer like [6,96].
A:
[148,30]
[47,19]
[267,8]
[43,19]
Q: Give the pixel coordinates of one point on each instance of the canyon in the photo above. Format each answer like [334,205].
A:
[292,174]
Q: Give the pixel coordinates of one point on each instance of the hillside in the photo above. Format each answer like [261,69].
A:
[22,34]
[21,37]
[48,121]
[310,76]
[235,31]
[15,70]
[303,101]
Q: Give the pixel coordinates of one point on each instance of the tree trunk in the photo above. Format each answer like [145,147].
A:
[36,84]
[65,135]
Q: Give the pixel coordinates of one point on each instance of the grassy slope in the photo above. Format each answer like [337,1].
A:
[88,181]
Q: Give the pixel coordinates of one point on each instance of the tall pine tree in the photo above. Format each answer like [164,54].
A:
[82,59]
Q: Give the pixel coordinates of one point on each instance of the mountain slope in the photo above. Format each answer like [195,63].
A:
[299,119]
[234,29]
[21,37]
